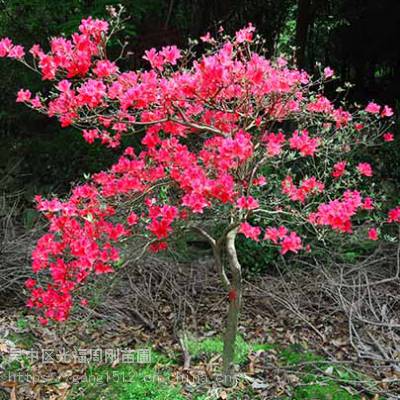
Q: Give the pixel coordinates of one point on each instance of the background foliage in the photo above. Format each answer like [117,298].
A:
[356,37]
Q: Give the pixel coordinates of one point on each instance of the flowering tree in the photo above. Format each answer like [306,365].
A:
[227,138]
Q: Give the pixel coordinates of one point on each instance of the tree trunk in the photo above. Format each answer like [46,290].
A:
[235,298]
[302,25]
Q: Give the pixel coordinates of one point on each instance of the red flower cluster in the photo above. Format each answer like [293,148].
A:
[339,169]
[337,213]
[394,215]
[307,187]
[206,147]
[364,169]
[288,241]
[274,143]
[302,142]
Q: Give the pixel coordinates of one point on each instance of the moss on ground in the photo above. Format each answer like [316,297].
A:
[296,354]
[129,382]
[323,391]
[211,346]
[315,385]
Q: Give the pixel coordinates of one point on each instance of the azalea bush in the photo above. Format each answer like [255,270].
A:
[228,138]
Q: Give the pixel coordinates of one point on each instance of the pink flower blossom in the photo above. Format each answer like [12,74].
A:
[5,46]
[93,27]
[320,105]
[364,169]
[358,127]
[16,52]
[394,215]
[368,204]
[260,181]
[155,59]
[101,268]
[373,234]
[387,111]
[36,51]
[275,234]
[249,231]
[328,72]
[388,137]
[171,54]
[161,228]
[373,108]
[281,236]
[245,34]
[132,219]
[23,96]
[302,142]
[30,283]
[337,213]
[105,68]
[207,38]
[36,103]
[247,203]
[306,188]
[338,169]
[341,117]
[196,202]
[274,143]
[291,242]
[90,135]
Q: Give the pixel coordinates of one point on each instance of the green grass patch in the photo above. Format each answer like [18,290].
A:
[318,390]
[25,340]
[262,346]
[296,354]
[315,384]
[129,382]
[211,346]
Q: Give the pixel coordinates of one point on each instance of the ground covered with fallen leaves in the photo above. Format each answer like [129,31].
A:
[278,358]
